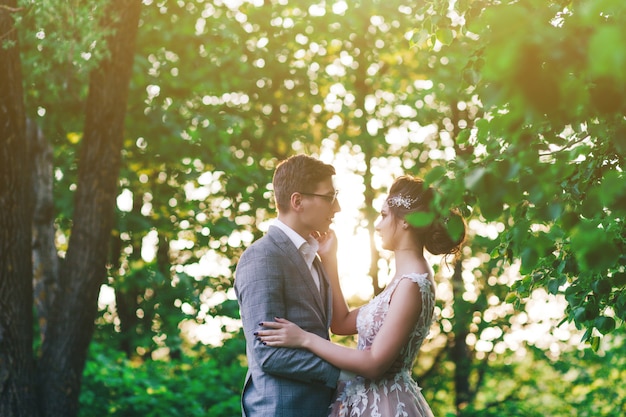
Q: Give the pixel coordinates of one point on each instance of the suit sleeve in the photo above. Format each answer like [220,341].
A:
[261,286]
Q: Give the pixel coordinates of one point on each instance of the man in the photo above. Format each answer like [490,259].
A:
[280,276]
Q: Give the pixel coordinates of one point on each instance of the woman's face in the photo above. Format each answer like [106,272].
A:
[386,227]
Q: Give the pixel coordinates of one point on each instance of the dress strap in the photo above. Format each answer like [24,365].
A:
[428,295]
[420,279]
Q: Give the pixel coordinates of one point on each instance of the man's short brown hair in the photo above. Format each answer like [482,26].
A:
[298,173]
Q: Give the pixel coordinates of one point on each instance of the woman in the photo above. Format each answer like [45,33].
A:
[391,326]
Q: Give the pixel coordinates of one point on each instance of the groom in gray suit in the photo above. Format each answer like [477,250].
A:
[280,275]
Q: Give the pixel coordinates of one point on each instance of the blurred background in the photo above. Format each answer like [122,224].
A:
[514,110]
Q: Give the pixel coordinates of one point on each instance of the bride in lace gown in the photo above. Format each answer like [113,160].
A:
[396,395]
[377,381]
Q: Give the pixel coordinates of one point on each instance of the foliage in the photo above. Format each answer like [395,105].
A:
[548,154]
[533,382]
[61,43]
[205,383]
[516,385]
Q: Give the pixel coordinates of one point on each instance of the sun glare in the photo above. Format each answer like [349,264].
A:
[353,253]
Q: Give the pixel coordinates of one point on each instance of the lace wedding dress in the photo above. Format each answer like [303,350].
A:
[399,395]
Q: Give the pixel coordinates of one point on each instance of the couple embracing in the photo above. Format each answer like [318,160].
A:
[288,290]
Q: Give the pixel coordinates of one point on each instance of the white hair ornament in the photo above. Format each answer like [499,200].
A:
[400,200]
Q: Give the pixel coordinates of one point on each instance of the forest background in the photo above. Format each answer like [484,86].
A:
[138,139]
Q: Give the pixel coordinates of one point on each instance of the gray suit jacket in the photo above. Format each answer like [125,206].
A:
[273,280]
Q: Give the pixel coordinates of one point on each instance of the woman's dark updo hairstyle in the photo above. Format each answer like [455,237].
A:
[417,197]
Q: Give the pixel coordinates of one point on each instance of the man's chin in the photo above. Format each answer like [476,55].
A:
[324,228]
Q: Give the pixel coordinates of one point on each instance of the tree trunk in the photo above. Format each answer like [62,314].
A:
[17,393]
[372,215]
[45,256]
[459,351]
[71,323]
[368,146]
[125,299]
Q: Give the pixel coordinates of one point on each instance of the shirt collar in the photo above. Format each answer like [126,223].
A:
[307,247]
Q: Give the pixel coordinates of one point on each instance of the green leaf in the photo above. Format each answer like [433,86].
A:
[595,343]
[491,209]
[455,227]
[464,135]
[604,324]
[553,286]
[569,220]
[421,38]
[473,179]
[619,279]
[420,219]
[601,287]
[611,188]
[605,53]
[579,314]
[445,36]
[435,174]
[511,297]
[530,257]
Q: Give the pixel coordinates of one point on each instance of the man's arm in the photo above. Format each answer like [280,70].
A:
[261,291]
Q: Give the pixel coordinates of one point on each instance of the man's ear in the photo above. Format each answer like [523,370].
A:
[296,202]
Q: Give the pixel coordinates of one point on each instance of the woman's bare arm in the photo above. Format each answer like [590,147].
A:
[404,311]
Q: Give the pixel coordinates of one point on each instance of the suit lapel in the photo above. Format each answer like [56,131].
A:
[304,273]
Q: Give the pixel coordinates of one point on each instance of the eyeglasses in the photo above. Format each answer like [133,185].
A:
[330,198]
